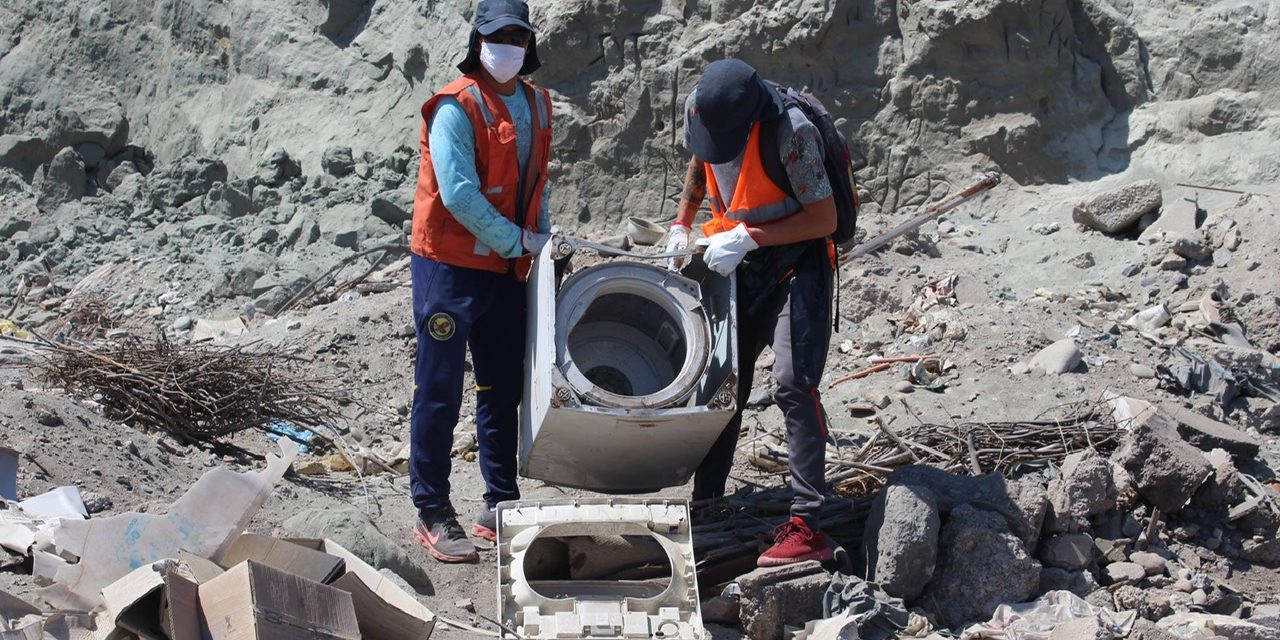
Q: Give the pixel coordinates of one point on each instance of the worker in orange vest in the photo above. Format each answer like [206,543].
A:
[479,215]
[779,247]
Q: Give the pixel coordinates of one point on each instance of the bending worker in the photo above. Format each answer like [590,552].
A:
[479,214]
[779,247]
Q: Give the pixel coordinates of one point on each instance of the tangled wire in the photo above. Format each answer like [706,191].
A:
[195,392]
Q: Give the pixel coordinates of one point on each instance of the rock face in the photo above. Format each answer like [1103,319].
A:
[1167,470]
[901,540]
[1118,210]
[981,565]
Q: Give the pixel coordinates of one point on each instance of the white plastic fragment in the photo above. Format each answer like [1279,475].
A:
[205,519]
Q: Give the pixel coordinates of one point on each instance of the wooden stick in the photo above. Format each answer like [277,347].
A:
[861,374]
[973,456]
[932,356]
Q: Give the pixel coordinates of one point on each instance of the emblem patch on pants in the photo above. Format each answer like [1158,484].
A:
[440,326]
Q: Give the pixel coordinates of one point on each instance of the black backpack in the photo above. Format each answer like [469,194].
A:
[836,158]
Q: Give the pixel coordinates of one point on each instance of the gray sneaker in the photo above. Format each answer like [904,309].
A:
[486,525]
[443,537]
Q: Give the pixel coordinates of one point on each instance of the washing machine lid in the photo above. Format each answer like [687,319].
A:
[598,609]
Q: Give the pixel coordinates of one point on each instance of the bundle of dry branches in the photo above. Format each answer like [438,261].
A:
[195,392]
[968,448]
[85,316]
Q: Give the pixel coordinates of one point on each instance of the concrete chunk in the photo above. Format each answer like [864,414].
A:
[775,597]
[1166,470]
[1060,357]
[1208,434]
[1117,210]
[981,565]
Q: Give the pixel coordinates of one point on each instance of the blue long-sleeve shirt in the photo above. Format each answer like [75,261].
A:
[453,157]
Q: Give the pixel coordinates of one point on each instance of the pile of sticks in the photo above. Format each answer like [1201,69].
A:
[85,316]
[194,392]
[967,448]
[728,534]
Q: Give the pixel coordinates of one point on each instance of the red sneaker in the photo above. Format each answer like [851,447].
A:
[794,541]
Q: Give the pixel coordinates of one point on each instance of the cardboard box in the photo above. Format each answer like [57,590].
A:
[310,563]
[384,610]
[253,601]
[133,602]
[180,607]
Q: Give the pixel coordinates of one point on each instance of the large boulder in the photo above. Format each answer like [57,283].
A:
[1166,470]
[1022,508]
[174,185]
[1119,209]
[901,540]
[981,565]
[64,181]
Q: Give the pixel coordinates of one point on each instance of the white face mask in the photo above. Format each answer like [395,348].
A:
[502,61]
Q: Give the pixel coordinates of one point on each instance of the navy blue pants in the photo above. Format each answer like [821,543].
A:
[455,308]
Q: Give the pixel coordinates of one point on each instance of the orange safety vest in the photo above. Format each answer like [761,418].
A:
[755,200]
[436,233]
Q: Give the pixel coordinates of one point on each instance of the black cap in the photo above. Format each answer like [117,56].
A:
[492,15]
[731,97]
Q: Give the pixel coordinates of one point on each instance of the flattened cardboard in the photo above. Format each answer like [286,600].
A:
[133,602]
[385,611]
[312,564]
[253,601]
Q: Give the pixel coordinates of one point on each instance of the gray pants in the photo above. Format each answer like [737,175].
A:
[795,322]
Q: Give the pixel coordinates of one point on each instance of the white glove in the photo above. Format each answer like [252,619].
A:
[727,248]
[533,242]
[677,240]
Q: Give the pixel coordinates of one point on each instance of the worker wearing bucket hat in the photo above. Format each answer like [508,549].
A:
[776,242]
[479,216]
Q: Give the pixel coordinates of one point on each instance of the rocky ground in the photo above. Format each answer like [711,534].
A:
[206,161]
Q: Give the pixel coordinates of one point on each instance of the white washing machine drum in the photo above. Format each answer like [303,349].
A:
[631,335]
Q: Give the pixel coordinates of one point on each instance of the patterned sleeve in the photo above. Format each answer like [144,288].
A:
[802,156]
[688,106]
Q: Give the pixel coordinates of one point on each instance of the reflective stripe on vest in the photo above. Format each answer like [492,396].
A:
[756,199]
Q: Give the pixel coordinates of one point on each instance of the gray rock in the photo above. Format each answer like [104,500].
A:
[1086,487]
[274,299]
[1223,489]
[775,597]
[1266,614]
[992,492]
[1166,470]
[23,154]
[1068,551]
[276,168]
[1173,262]
[1194,247]
[981,565]
[10,226]
[249,266]
[1208,434]
[301,231]
[1144,629]
[393,207]
[91,153]
[1265,552]
[1142,371]
[901,540]
[176,184]
[64,181]
[337,161]
[1225,626]
[229,201]
[1122,572]
[1082,261]
[118,173]
[1153,564]
[352,529]
[182,323]
[1077,581]
[1060,357]
[1117,210]
[343,225]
